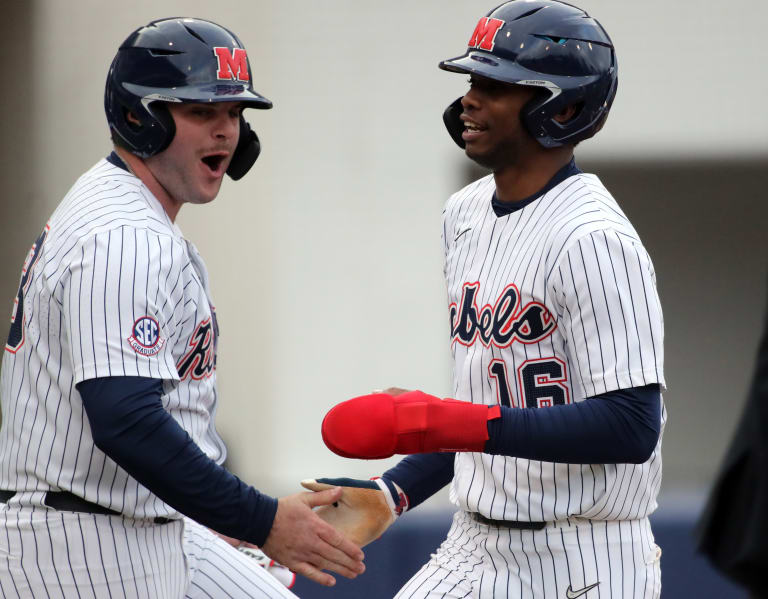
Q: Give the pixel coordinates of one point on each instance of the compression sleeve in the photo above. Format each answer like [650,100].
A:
[422,475]
[618,427]
[130,425]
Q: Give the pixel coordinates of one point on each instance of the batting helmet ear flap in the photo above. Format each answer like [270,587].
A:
[247,151]
[164,122]
[153,132]
[453,123]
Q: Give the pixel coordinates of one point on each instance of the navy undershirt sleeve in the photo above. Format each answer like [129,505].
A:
[130,425]
[422,475]
[619,427]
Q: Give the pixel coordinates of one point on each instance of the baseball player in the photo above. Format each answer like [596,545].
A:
[109,371]
[551,440]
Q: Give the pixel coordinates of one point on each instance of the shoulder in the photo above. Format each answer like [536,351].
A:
[580,207]
[104,200]
[109,211]
[107,198]
[583,217]
[479,191]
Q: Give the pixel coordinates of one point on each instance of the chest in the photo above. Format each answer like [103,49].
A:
[496,277]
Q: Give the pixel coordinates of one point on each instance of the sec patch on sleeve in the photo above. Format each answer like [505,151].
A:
[145,337]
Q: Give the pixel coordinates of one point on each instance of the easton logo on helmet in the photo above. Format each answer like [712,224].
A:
[484,35]
[232,64]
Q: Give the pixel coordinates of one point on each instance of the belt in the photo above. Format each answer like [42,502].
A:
[64,501]
[516,524]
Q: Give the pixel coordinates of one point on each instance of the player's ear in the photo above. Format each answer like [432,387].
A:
[132,119]
[567,113]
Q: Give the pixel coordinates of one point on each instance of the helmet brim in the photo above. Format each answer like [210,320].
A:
[220,92]
[487,65]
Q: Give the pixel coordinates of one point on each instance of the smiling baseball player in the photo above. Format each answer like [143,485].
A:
[109,373]
[552,440]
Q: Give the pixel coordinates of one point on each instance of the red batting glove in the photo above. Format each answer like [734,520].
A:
[380,425]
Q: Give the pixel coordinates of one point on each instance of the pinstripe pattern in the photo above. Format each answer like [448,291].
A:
[551,304]
[219,571]
[574,254]
[64,554]
[44,553]
[109,258]
[482,562]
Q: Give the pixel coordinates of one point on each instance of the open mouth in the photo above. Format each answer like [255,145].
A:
[214,161]
[472,130]
[473,127]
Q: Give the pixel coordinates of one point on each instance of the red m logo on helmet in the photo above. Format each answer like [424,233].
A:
[232,64]
[485,33]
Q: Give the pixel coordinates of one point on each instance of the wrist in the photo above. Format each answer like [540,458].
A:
[397,500]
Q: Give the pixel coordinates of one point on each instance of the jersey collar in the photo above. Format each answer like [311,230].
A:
[117,161]
[503,209]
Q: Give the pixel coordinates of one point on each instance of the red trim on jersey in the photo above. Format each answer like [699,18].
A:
[28,265]
[496,321]
[543,380]
[501,381]
[202,353]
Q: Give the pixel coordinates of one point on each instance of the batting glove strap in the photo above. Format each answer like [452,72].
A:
[396,498]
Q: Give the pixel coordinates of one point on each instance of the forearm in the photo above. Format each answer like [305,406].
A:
[618,427]
[622,426]
[129,424]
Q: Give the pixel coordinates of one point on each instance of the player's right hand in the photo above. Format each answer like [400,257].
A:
[366,507]
[302,541]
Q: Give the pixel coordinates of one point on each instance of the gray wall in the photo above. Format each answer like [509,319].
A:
[325,260]
[20,208]
[704,224]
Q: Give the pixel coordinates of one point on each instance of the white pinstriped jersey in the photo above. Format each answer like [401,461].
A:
[551,304]
[111,288]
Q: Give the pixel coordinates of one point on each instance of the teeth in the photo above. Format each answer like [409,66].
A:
[471,127]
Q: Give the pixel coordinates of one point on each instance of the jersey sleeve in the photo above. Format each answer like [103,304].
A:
[444,237]
[610,313]
[122,304]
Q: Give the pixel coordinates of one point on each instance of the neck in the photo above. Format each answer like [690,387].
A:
[140,169]
[519,181]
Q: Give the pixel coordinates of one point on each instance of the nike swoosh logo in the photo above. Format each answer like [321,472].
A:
[467,230]
[571,594]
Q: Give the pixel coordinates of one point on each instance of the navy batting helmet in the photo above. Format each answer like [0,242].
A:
[549,45]
[178,60]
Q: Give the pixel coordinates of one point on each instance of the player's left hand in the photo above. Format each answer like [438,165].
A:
[380,425]
[366,507]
